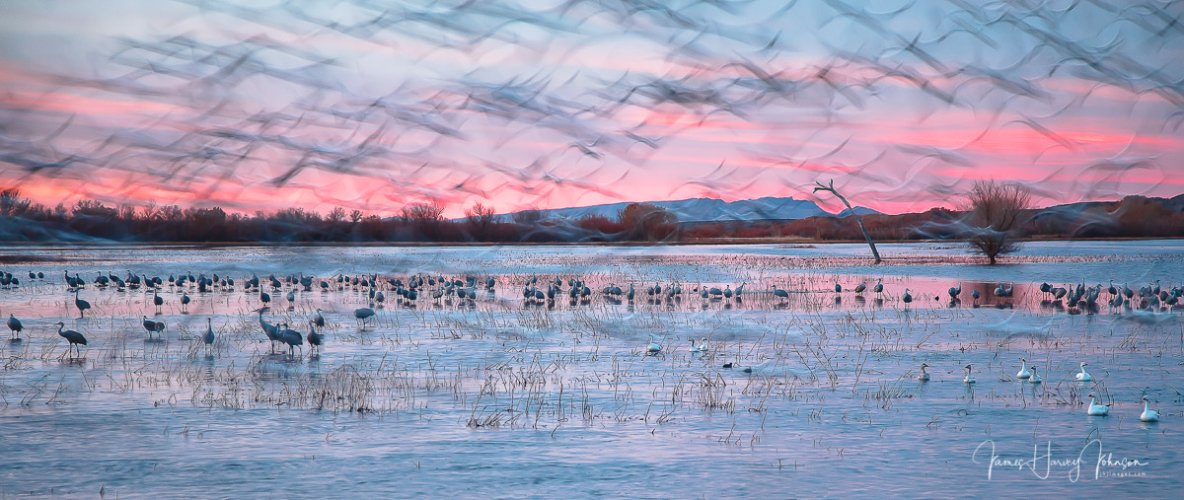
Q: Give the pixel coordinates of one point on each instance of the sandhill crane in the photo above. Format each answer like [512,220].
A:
[860,288]
[208,338]
[157,300]
[1004,291]
[185,302]
[879,288]
[319,319]
[777,292]
[153,326]
[908,297]
[14,327]
[955,292]
[293,338]
[272,331]
[74,338]
[314,339]
[362,314]
[82,305]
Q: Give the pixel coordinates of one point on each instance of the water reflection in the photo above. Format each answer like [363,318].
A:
[518,395]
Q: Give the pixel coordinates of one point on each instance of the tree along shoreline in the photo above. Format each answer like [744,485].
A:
[89,222]
[417,244]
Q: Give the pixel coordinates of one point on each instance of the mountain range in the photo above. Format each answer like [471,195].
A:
[706,210]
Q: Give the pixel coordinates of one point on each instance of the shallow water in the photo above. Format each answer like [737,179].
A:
[496,398]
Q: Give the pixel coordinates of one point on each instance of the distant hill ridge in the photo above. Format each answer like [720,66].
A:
[706,210]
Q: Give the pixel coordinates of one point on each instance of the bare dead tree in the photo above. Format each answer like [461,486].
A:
[479,219]
[423,213]
[993,213]
[858,220]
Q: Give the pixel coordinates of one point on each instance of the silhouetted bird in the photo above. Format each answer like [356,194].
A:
[82,305]
[74,338]
[208,338]
[15,327]
[314,339]
[153,326]
[364,313]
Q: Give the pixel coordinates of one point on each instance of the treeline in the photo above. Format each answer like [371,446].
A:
[24,221]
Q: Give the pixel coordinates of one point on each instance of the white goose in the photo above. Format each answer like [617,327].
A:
[1148,414]
[924,376]
[1096,410]
[1024,373]
[1084,376]
[968,379]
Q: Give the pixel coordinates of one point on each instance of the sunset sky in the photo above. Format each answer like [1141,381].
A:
[263,105]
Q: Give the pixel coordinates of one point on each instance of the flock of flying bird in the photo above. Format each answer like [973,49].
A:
[321,121]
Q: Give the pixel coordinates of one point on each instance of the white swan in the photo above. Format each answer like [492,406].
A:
[1084,376]
[924,376]
[1096,410]
[1035,378]
[700,348]
[968,379]
[654,347]
[1024,373]
[1148,414]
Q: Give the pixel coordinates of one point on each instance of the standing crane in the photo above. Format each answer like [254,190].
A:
[74,338]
